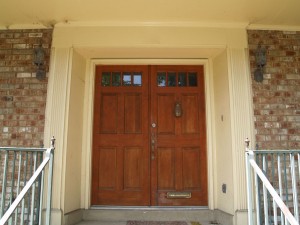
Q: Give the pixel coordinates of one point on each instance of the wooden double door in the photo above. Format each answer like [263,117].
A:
[149,136]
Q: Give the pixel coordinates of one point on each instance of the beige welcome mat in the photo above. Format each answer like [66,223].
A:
[134,222]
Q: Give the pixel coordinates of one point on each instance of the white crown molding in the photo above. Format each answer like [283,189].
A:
[273,27]
[231,25]
[150,24]
[24,26]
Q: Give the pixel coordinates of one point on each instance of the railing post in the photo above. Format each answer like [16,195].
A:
[294,186]
[3,195]
[50,174]
[249,155]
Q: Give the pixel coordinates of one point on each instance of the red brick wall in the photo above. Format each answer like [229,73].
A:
[277,99]
[22,95]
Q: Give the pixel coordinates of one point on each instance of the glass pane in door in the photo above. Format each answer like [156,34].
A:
[172,79]
[161,79]
[182,79]
[126,79]
[192,79]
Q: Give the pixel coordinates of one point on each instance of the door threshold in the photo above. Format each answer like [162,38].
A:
[144,208]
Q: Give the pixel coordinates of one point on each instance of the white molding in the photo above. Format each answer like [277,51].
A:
[272,27]
[241,120]
[57,118]
[207,24]
[195,24]
[87,138]
[25,27]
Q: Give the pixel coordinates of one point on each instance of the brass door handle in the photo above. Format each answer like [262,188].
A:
[153,144]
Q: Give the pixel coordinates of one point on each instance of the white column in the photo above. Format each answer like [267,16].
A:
[241,120]
[56,123]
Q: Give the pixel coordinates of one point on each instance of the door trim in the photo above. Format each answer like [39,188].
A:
[89,109]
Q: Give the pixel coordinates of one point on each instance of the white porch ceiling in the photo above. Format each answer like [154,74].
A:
[248,13]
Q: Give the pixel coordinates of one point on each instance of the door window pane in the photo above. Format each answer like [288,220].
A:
[172,79]
[137,79]
[181,79]
[161,79]
[105,79]
[193,79]
[126,79]
[116,79]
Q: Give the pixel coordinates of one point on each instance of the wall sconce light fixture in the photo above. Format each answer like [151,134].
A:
[260,59]
[39,61]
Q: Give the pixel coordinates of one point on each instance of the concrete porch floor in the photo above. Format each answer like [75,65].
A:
[124,223]
[121,216]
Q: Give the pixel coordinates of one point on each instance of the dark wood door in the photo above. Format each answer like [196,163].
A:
[120,160]
[178,136]
[149,149]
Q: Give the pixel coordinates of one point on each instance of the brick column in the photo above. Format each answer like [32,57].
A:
[22,95]
[276,99]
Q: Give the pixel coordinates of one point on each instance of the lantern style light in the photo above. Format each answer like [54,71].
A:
[39,61]
[260,59]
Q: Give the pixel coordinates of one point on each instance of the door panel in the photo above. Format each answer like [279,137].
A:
[120,170]
[133,113]
[190,118]
[178,170]
[133,169]
[164,110]
[109,109]
[166,168]
[107,172]
[149,140]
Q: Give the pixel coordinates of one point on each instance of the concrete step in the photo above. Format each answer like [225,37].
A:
[145,214]
[120,216]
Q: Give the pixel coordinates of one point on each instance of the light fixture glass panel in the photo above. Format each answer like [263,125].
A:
[182,79]
[116,79]
[193,79]
[126,79]
[137,79]
[105,79]
[161,79]
[171,79]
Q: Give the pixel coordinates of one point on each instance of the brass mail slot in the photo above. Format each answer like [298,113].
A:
[179,194]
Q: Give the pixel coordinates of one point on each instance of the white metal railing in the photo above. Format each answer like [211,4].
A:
[272,206]
[22,184]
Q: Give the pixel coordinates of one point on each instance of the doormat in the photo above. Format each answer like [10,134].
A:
[156,223]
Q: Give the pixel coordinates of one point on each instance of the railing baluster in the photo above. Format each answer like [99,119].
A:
[265,194]
[280,184]
[275,212]
[40,194]
[285,181]
[41,197]
[18,185]
[33,191]
[294,186]
[3,196]
[30,172]
[298,159]
[25,177]
[272,182]
[258,203]
[257,199]
[249,187]
[49,189]
[12,183]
